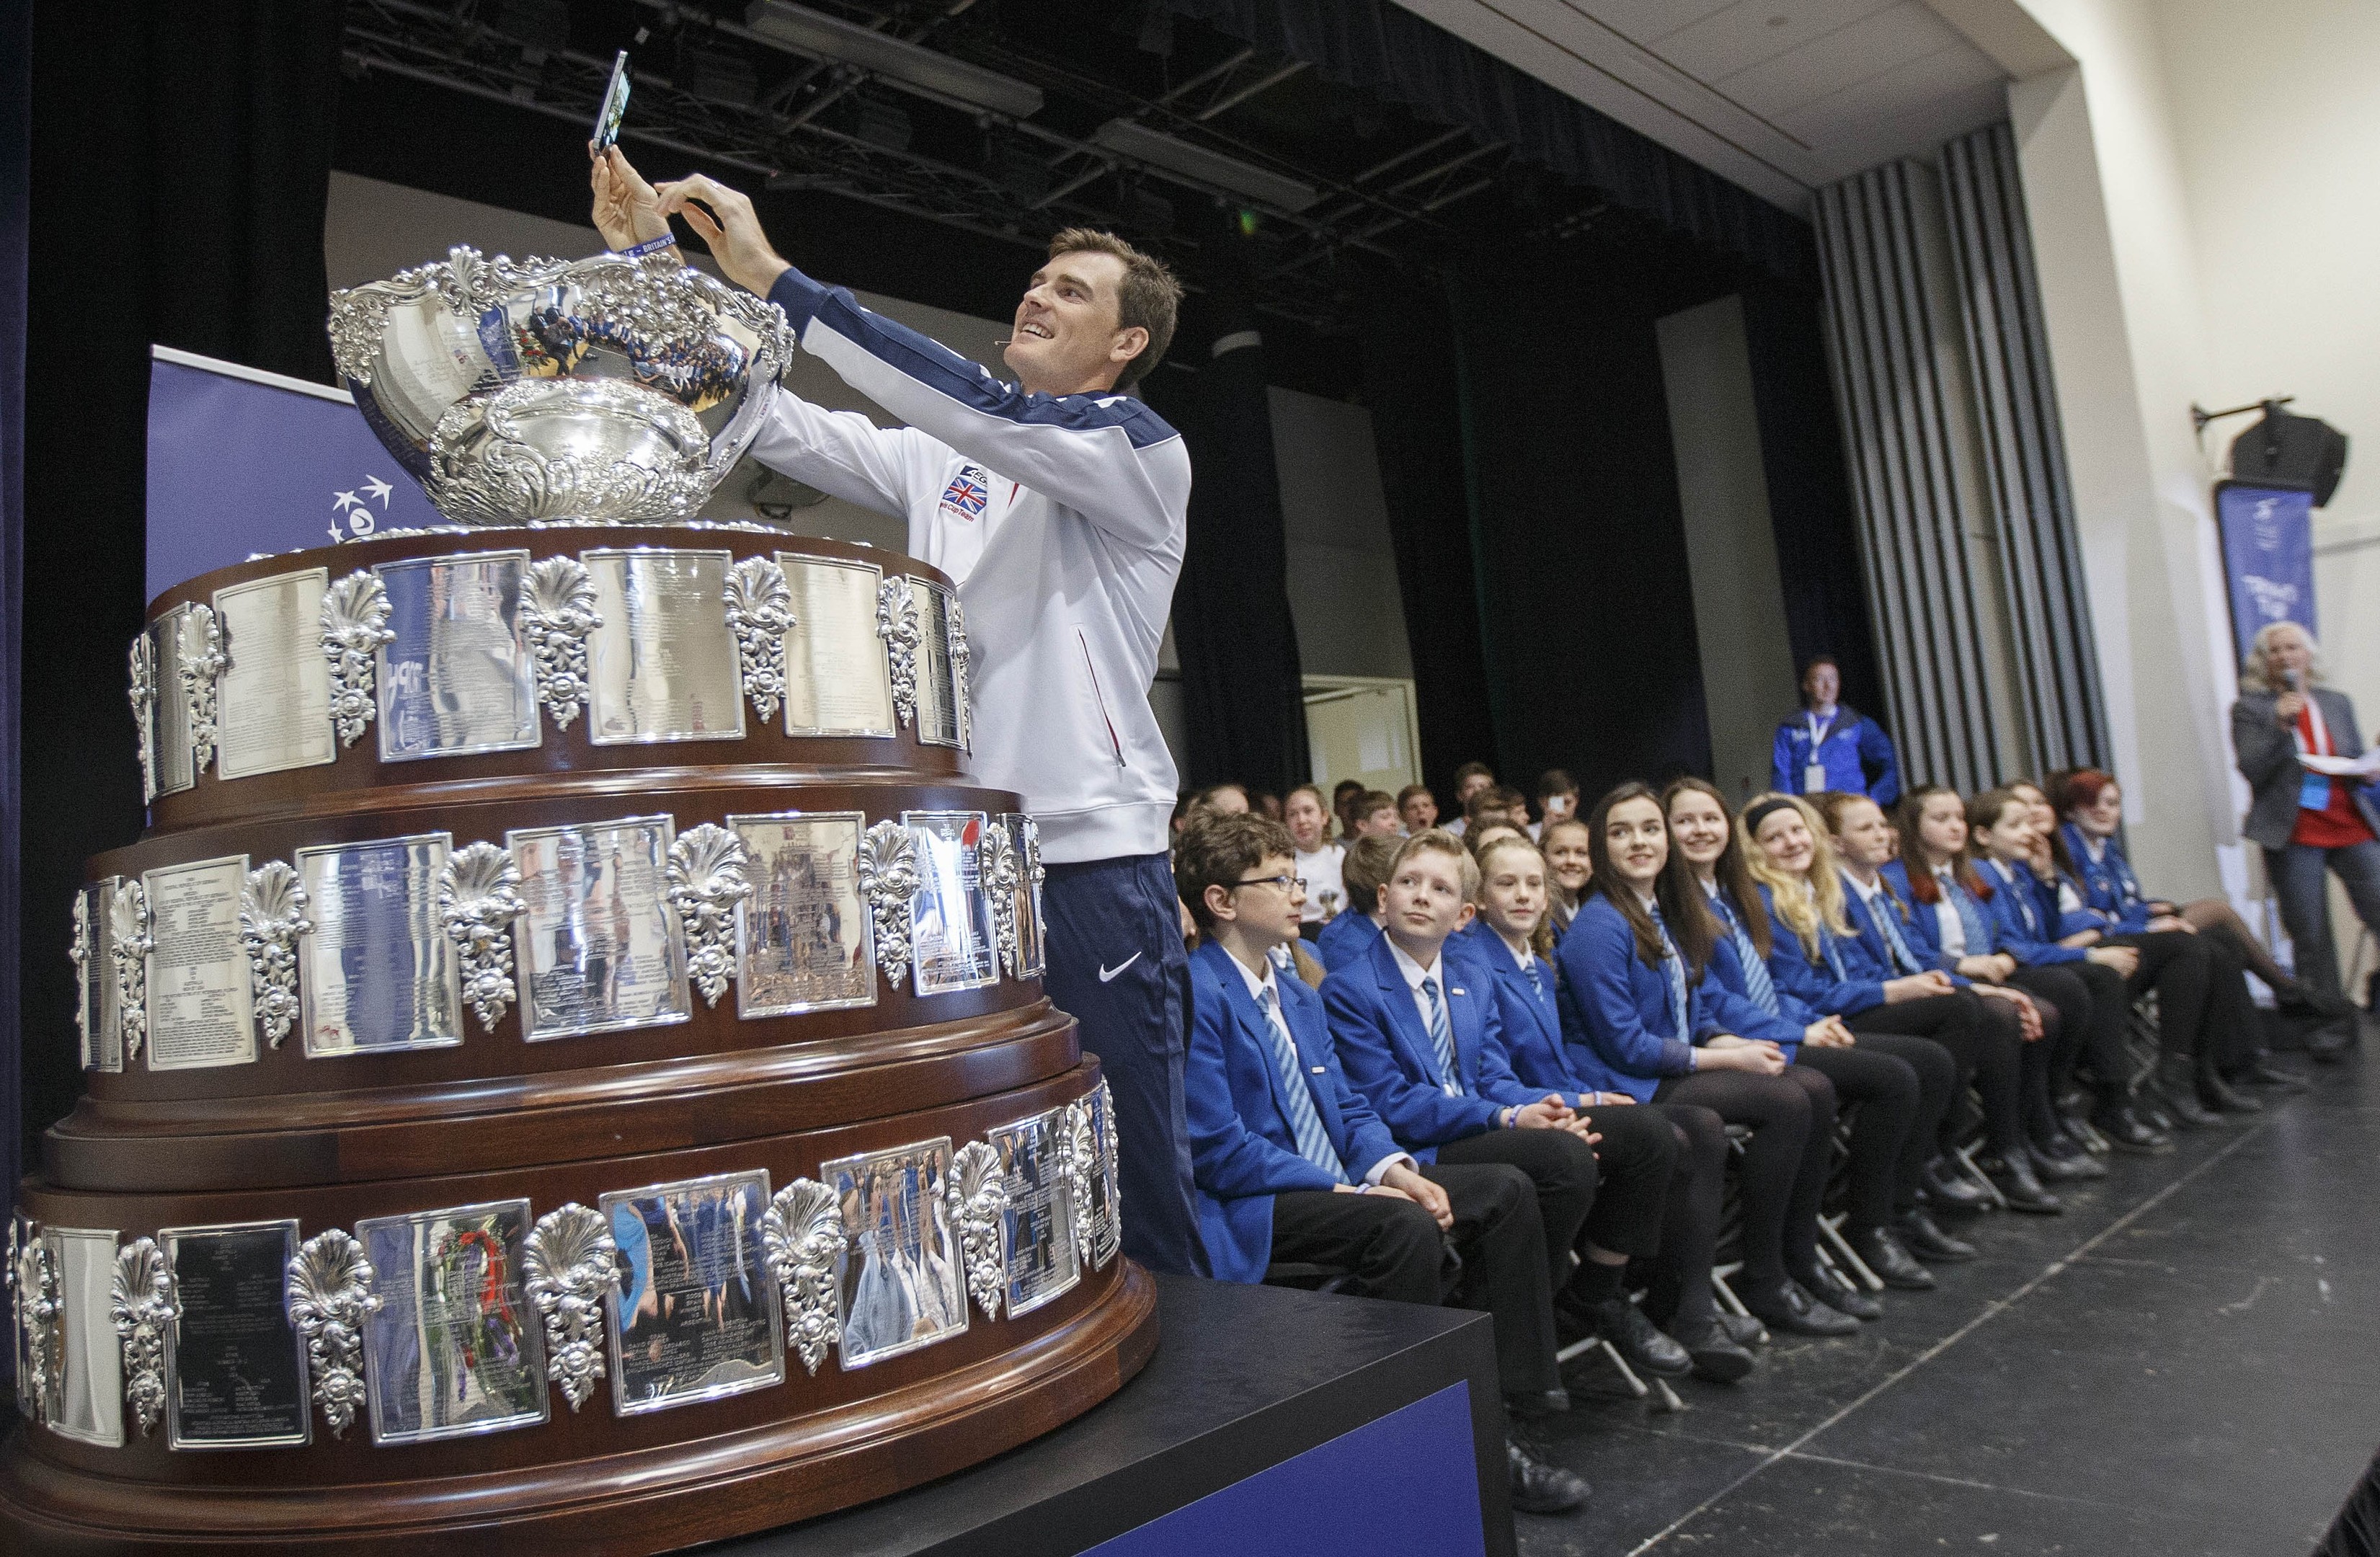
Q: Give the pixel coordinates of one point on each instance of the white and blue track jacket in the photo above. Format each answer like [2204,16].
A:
[1062,518]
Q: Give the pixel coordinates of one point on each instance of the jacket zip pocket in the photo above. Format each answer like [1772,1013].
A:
[1100,697]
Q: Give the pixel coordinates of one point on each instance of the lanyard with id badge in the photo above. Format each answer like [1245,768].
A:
[1813,772]
[2313,789]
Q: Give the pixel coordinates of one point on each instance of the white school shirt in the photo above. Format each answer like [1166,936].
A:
[1319,873]
[1952,929]
[1257,987]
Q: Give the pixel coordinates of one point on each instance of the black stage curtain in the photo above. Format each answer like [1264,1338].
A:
[1809,491]
[16,134]
[181,160]
[1591,654]
[1414,392]
[1385,50]
[1242,691]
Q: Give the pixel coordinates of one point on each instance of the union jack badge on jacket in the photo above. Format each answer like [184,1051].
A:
[968,491]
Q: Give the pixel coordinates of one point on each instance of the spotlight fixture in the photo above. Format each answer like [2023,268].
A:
[1202,168]
[816,35]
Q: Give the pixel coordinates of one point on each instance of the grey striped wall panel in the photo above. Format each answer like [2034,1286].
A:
[1898,442]
[2025,452]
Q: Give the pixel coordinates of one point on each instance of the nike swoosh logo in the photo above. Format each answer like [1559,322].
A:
[1107,973]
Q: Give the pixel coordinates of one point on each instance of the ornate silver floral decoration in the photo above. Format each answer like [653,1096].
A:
[571,1265]
[1082,1162]
[1111,1229]
[803,1235]
[760,612]
[897,624]
[201,680]
[34,1280]
[979,1199]
[996,866]
[707,881]
[330,1293]
[479,898]
[129,943]
[142,1302]
[888,879]
[355,624]
[489,466]
[962,659]
[272,917]
[144,694]
[557,612]
[78,952]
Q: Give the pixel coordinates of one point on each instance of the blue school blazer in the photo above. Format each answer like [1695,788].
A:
[2107,884]
[2025,926]
[1870,957]
[1529,1022]
[1616,1011]
[1924,932]
[1390,1061]
[1813,981]
[1242,1148]
[1344,939]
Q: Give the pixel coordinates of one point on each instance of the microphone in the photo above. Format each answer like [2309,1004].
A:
[2292,680]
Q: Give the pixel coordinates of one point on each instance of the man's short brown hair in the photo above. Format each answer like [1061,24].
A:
[1219,848]
[1370,861]
[1437,840]
[1148,299]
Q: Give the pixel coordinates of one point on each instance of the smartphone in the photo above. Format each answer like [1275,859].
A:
[615,104]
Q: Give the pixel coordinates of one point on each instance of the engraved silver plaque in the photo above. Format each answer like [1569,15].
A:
[273,711]
[598,947]
[235,1378]
[177,641]
[899,1282]
[457,679]
[836,679]
[950,918]
[96,1001]
[1106,1216]
[454,1348]
[804,940]
[87,1392]
[1032,944]
[662,665]
[696,1318]
[939,719]
[377,969]
[1037,1233]
[200,1008]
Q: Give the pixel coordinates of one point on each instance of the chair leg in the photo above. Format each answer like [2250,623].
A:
[1832,1227]
[1966,1157]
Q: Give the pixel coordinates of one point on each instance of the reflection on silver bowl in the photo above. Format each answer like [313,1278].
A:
[604,391]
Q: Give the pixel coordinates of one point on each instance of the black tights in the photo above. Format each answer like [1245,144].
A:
[1682,1279]
[1893,1098]
[1791,1118]
[1983,1039]
[2092,1006]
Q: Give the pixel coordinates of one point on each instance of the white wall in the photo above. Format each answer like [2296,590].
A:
[1343,569]
[1731,550]
[2201,189]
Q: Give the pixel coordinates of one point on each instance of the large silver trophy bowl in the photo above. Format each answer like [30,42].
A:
[603,391]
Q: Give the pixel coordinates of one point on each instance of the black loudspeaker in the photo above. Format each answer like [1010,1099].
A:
[2282,450]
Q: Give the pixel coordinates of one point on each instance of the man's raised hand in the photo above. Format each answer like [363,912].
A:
[627,212]
[725,219]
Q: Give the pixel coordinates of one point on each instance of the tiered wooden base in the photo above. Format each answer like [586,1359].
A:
[331,1140]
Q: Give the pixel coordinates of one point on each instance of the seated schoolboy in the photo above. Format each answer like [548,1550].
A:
[1292,1167]
[1364,873]
[1419,1034]
[1662,1172]
[1376,815]
[1469,780]
[1418,807]
[1557,801]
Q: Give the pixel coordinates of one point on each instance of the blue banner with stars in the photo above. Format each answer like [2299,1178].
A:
[242,462]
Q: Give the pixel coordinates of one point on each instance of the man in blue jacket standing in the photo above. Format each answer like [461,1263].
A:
[1059,505]
[1828,746]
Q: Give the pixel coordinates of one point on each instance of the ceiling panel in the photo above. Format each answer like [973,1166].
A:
[1842,59]
[1643,20]
[1750,32]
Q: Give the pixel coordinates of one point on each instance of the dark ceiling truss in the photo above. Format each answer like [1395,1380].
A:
[782,135]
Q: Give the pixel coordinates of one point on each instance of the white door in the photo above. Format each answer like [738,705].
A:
[1362,728]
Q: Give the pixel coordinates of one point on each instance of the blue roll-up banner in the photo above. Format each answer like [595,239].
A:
[242,462]
[2267,535]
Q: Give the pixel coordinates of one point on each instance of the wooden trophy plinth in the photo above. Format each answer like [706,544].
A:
[582,1079]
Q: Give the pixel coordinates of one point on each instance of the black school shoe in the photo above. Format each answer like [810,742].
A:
[1924,1237]
[1838,1292]
[1538,1487]
[1790,1307]
[1717,1355]
[1894,1265]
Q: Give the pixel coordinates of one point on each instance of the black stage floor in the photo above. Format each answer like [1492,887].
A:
[2183,1362]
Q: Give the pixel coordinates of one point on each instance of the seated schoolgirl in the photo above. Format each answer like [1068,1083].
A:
[2086,985]
[1567,868]
[1950,926]
[2092,806]
[1639,1014]
[1902,1083]
[1363,872]
[2198,1028]
[1507,943]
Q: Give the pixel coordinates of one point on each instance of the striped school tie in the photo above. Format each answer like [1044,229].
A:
[1904,959]
[1972,923]
[1441,1038]
[1304,1119]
